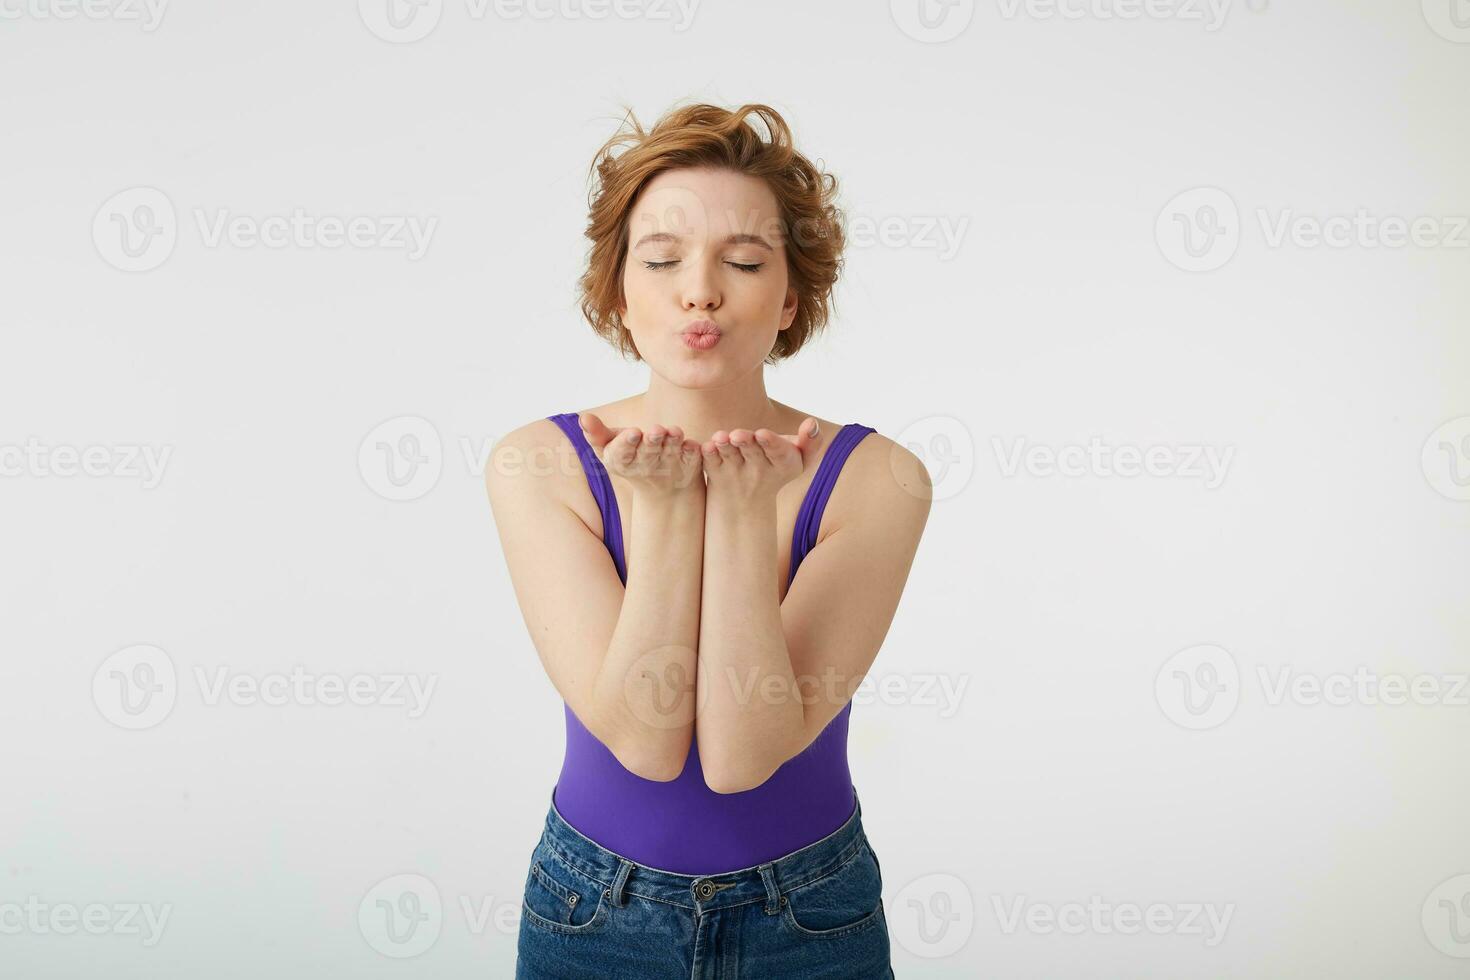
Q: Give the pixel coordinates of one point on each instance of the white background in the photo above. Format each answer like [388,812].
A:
[1336,539]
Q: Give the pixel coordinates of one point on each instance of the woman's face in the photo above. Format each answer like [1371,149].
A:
[705,245]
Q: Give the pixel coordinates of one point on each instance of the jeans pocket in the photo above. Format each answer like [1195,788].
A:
[876,863]
[846,900]
[560,898]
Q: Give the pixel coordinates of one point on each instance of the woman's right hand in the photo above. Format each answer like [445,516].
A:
[660,461]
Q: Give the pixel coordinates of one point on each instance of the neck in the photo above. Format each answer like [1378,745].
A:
[701,412]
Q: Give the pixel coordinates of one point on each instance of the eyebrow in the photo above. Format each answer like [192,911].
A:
[739,238]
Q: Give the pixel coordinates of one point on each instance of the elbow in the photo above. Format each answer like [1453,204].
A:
[649,762]
[740,768]
[654,769]
[741,778]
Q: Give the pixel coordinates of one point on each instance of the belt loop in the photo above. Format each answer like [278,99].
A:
[620,879]
[773,894]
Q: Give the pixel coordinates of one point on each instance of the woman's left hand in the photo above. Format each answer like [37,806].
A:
[755,465]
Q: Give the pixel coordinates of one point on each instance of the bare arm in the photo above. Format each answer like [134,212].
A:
[748,715]
[774,674]
[623,659]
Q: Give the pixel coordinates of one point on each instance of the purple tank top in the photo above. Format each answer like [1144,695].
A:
[682,825]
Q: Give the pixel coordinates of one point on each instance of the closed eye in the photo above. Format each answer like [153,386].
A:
[742,266]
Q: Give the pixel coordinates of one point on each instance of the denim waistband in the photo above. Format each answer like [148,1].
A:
[766,882]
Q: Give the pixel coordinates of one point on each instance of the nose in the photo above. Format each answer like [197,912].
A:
[701,289]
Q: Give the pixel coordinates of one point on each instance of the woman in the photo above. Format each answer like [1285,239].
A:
[704,818]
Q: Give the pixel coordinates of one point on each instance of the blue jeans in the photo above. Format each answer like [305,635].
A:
[814,914]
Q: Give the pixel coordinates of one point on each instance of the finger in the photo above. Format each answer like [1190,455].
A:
[775,447]
[681,453]
[673,446]
[651,450]
[750,450]
[598,434]
[711,455]
[625,447]
[685,461]
[806,434]
[689,452]
[728,453]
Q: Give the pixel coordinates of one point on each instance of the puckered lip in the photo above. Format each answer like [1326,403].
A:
[702,327]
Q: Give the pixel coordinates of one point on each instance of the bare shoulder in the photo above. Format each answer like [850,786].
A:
[530,461]
[883,482]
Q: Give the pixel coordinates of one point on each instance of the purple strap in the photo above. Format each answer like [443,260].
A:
[602,489]
[809,517]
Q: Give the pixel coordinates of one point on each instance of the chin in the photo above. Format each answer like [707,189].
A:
[695,375]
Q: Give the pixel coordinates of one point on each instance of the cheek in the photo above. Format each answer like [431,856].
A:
[635,291]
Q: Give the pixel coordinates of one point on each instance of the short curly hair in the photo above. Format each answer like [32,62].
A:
[708,136]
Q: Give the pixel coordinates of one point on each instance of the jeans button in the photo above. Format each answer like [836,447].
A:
[704,889]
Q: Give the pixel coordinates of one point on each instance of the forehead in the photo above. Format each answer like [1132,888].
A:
[704,202]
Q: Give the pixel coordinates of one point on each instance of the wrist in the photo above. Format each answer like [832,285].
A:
[691,496]
[730,500]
